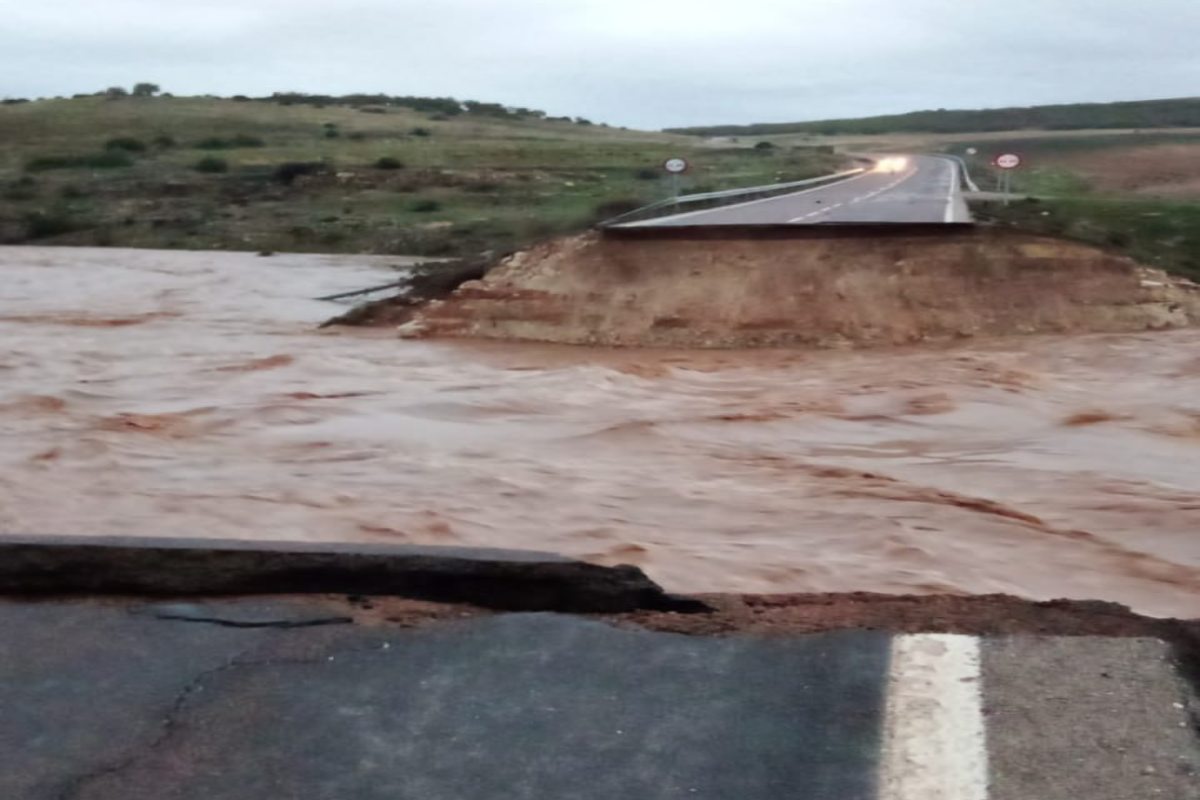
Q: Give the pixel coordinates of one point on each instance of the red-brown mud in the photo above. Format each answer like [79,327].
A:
[927,470]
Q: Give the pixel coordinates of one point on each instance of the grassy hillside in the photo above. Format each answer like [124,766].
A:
[1176,113]
[286,174]
[1156,233]
[1156,164]
[1136,194]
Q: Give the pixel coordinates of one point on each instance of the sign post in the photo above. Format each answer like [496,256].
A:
[1006,162]
[676,167]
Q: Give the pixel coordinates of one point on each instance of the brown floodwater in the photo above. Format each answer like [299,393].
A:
[189,394]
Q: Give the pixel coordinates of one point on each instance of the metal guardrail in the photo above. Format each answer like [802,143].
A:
[742,195]
[966,172]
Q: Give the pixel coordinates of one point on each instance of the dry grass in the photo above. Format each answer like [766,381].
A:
[1164,170]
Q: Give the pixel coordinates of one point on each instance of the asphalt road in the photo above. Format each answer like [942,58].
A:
[912,189]
[294,698]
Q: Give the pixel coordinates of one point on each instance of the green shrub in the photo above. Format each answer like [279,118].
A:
[163,141]
[332,133]
[19,192]
[616,207]
[245,140]
[764,146]
[421,132]
[240,140]
[44,224]
[388,162]
[357,136]
[425,206]
[1116,238]
[126,143]
[212,165]
[111,159]
[331,236]
[102,236]
[289,171]
[647,174]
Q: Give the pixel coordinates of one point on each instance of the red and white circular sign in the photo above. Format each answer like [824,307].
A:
[676,166]
[1008,161]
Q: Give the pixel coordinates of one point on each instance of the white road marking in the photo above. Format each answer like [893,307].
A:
[935,744]
[674,217]
[950,200]
[858,199]
[820,211]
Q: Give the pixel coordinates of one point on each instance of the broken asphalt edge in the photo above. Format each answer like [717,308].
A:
[506,580]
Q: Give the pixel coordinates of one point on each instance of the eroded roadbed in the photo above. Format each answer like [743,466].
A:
[334,697]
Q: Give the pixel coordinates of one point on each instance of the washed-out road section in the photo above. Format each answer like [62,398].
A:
[189,394]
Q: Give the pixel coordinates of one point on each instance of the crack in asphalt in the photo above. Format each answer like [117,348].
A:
[73,788]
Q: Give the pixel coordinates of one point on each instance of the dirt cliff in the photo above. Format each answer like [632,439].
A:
[815,288]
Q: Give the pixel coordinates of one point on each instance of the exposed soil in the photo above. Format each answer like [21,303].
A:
[977,615]
[780,614]
[798,614]
[819,288]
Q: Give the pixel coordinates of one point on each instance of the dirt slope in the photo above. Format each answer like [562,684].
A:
[829,290]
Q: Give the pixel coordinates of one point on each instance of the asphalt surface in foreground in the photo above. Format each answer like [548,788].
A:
[925,189]
[306,698]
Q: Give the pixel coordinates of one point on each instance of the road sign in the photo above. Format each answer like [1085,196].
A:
[676,166]
[1006,162]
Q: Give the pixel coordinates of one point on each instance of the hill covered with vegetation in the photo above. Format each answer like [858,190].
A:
[359,173]
[1176,113]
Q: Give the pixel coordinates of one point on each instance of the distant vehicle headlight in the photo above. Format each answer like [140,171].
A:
[891,164]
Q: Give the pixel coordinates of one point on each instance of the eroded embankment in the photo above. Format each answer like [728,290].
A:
[814,288]
[174,394]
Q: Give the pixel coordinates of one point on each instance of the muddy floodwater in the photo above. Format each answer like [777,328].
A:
[189,394]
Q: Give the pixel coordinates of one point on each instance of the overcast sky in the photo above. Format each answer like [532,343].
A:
[644,63]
